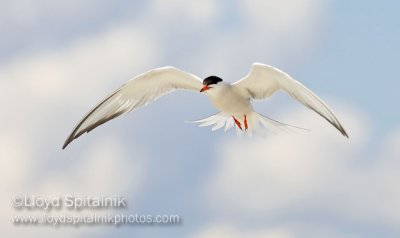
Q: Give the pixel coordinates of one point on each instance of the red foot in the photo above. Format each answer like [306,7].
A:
[245,123]
[237,123]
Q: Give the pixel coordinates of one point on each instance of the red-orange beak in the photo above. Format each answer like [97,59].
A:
[205,87]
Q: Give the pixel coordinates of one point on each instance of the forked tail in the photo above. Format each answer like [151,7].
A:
[256,123]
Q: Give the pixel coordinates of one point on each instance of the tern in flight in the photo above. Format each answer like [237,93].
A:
[233,100]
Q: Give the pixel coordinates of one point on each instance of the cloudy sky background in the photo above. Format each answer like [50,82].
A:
[59,58]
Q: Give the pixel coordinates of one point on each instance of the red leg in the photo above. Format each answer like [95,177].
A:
[237,123]
[246,126]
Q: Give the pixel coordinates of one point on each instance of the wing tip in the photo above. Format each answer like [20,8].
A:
[344,133]
[65,145]
[341,130]
[68,141]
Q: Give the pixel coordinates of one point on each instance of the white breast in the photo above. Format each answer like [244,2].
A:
[226,99]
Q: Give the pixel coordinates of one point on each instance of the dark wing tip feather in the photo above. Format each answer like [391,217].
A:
[337,125]
[341,129]
[75,135]
[67,141]
[90,128]
[331,119]
[344,133]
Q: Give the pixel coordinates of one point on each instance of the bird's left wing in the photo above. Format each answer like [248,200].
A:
[264,80]
[137,92]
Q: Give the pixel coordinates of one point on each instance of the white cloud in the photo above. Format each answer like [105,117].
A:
[200,12]
[285,230]
[59,73]
[283,17]
[25,13]
[14,158]
[37,91]
[274,32]
[105,170]
[224,231]
[310,173]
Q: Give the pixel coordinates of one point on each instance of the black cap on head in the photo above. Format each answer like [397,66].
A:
[211,80]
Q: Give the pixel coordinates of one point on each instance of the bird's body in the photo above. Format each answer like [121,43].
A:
[227,99]
[232,100]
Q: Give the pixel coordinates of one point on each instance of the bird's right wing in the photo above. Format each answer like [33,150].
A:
[264,80]
[137,92]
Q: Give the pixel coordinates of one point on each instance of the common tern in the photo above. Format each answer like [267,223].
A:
[233,100]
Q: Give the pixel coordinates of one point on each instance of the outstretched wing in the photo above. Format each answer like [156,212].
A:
[136,93]
[264,80]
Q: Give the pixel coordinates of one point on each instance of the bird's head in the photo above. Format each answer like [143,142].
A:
[209,81]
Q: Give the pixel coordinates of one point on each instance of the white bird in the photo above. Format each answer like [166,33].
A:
[232,100]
